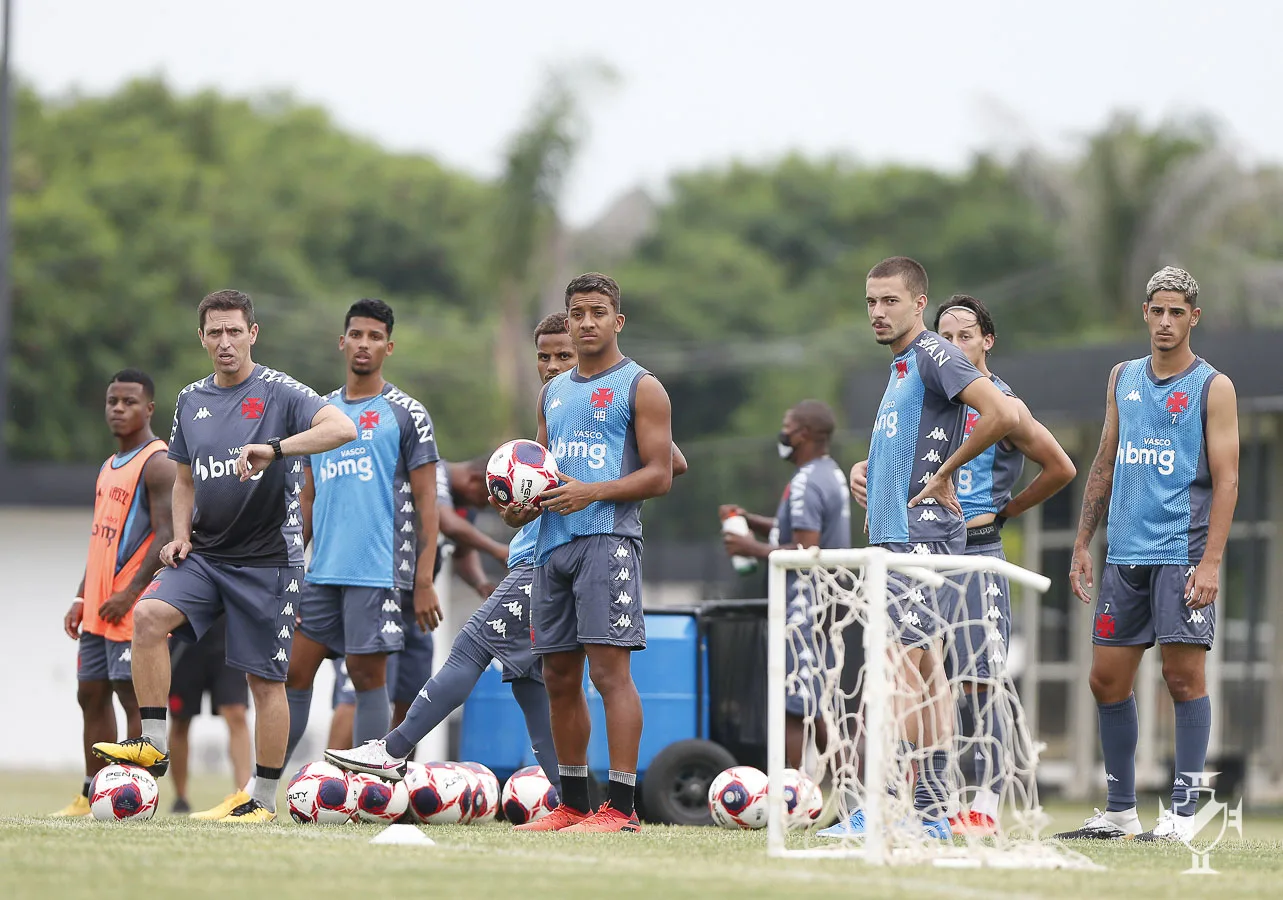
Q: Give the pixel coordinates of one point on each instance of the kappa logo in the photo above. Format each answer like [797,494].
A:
[390,605]
[937,434]
[284,633]
[624,621]
[554,404]
[126,655]
[405,566]
[407,507]
[932,456]
[293,506]
[407,528]
[288,610]
[1109,777]
[1181,782]
[994,591]
[922,549]
[525,589]
[994,636]
[500,627]
[407,547]
[1196,617]
[514,608]
[928,515]
[405,487]
[623,575]
[996,657]
[202,413]
[1190,571]
[293,586]
[926,478]
[912,619]
[291,522]
[423,692]
[624,598]
[621,552]
[252,408]
[1134,396]
[281,655]
[390,627]
[298,540]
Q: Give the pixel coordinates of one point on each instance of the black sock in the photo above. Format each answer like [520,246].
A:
[621,791]
[574,787]
[85,790]
[154,726]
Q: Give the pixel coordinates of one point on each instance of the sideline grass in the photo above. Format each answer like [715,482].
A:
[168,856]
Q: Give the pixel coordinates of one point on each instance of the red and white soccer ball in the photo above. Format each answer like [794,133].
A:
[439,793]
[321,794]
[474,790]
[123,794]
[528,796]
[737,798]
[378,800]
[485,796]
[520,471]
[803,801]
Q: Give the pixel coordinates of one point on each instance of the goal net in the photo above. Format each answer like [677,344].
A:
[892,670]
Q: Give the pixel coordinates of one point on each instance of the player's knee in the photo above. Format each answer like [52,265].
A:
[1108,687]
[1183,684]
[93,696]
[368,673]
[611,680]
[152,621]
[561,676]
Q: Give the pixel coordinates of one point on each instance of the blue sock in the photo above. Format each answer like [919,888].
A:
[1119,733]
[373,715]
[1193,730]
[442,695]
[300,705]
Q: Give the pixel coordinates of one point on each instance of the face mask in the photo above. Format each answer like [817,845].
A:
[785,448]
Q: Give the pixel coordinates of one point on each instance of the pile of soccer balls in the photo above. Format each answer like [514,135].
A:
[737,798]
[436,793]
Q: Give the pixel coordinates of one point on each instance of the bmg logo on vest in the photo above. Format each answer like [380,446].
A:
[210,468]
[351,462]
[1149,454]
[595,453]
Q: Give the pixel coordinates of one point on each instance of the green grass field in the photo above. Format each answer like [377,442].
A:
[171,857]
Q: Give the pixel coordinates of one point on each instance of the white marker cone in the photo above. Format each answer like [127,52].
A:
[403,834]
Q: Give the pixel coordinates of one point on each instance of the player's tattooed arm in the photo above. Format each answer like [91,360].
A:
[183,501]
[158,476]
[1203,584]
[1100,484]
[1038,444]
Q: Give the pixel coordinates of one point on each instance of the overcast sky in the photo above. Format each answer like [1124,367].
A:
[701,82]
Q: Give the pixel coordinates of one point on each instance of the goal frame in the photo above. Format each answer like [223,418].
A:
[878,678]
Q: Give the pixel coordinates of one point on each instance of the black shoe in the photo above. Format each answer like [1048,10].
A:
[180,808]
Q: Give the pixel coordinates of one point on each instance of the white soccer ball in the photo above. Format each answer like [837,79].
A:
[475,794]
[528,796]
[520,471]
[123,793]
[321,794]
[737,798]
[439,794]
[378,800]
[485,798]
[803,801]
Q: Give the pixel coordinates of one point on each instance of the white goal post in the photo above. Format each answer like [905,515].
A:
[860,737]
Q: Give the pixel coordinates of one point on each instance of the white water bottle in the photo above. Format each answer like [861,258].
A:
[737,524]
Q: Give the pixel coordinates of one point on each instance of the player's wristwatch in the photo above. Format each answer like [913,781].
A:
[275,444]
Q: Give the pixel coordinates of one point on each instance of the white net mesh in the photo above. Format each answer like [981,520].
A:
[892,669]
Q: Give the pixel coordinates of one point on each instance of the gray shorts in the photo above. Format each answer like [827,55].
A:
[98,659]
[919,614]
[980,642]
[408,668]
[352,620]
[502,625]
[589,592]
[1141,605]
[260,603]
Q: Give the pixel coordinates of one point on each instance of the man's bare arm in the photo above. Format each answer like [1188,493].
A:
[1038,444]
[1100,480]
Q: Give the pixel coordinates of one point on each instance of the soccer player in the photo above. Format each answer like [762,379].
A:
[984,491]
[917,440]
[360,504]
[131,523]
[199,669]
[236,551]
[1167,469]
[609,424]
[499,629]
[815,511]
